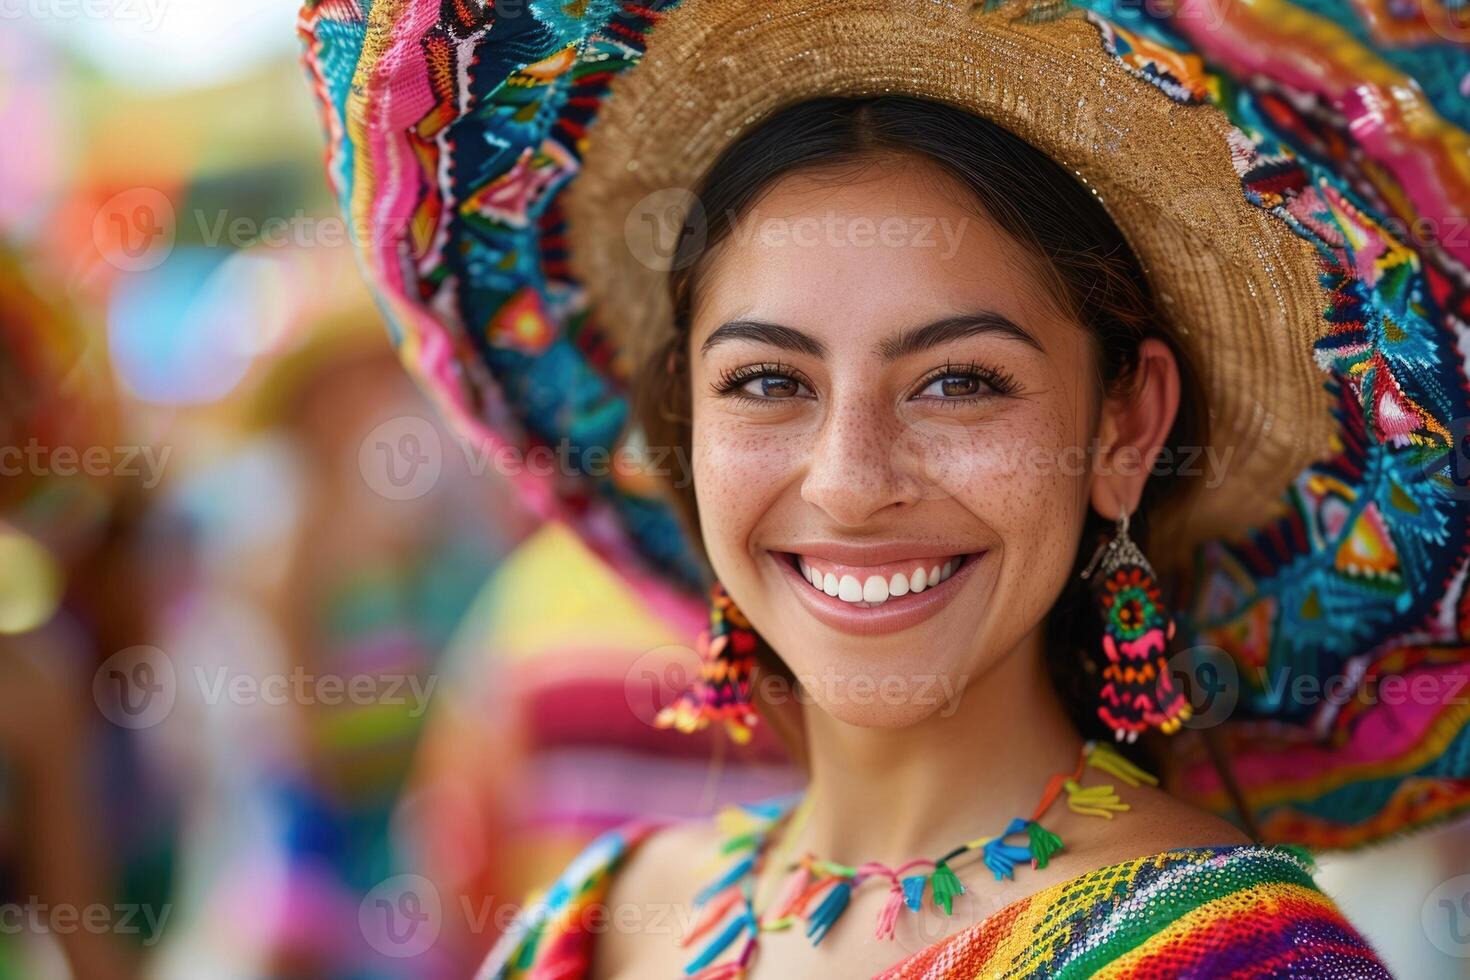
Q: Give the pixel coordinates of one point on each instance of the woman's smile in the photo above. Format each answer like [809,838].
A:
[874,590]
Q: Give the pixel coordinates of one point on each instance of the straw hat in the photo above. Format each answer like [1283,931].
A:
[499,156]
[1239,288]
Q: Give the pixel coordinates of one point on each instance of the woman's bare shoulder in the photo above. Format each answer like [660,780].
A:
[662,867]
[1154,822]
[650,897]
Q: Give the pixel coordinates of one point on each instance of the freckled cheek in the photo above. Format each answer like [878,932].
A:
[1023,477]
[739,474]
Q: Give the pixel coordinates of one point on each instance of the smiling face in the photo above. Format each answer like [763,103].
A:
[889,413]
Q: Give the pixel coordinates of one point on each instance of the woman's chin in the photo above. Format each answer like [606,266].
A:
[865,707]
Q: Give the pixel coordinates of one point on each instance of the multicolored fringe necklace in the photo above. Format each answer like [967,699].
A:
[817,892]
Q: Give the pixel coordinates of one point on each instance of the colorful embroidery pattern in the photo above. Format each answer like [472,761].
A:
[1199,912]
[1362,584]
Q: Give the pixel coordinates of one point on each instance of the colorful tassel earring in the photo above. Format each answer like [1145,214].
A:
[1137,691]
[721,692]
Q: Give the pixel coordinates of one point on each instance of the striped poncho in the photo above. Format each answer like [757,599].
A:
[1227,911]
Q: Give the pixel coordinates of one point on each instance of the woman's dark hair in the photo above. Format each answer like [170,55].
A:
[1050,214]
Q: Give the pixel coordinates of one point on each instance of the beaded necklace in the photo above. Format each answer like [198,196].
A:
[818,892]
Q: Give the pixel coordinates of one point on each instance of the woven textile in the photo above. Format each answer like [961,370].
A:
[1229,911]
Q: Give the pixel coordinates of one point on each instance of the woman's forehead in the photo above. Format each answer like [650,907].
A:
[873,252]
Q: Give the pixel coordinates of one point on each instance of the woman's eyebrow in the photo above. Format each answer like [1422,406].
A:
[910,341]
[953,328]
[786,338]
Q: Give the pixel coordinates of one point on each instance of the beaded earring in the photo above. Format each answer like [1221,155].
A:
[721,691]
[1137,690]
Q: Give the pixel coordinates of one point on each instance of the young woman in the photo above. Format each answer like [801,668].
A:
[933,300]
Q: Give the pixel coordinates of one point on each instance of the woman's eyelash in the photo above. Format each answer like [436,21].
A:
[1000,382]
[733,380]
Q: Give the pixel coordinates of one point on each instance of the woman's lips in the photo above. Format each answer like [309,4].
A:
[857,607]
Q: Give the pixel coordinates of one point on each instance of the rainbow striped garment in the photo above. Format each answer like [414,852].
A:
[1237,910]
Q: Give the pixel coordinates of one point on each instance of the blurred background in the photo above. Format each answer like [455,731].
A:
[265,624]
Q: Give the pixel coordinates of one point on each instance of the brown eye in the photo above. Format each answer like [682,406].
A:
[763,383]
[772,386]
[954,386]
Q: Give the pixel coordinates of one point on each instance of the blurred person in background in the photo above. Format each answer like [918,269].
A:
[81,895]
[320,572]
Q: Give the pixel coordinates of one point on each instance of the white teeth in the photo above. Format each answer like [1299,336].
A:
[875,589]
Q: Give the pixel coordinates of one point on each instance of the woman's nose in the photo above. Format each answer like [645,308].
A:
[855,470]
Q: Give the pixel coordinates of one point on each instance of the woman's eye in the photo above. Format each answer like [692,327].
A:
[954,386]
[772,386]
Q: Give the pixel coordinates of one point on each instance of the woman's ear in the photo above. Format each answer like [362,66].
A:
[1132,430]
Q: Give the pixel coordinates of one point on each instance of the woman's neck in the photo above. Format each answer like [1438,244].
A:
[879,794]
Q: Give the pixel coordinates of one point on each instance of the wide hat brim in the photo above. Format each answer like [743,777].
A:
[1239,289]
